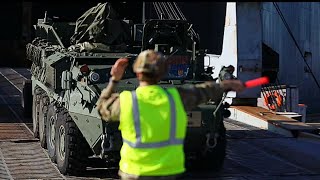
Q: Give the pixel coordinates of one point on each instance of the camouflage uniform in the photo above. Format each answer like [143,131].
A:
[109,102]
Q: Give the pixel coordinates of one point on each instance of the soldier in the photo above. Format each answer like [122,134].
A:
[153,120]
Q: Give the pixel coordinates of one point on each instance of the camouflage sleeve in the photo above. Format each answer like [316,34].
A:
[109,104]
[200,93]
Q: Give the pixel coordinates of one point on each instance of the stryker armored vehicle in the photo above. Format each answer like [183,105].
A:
[71,65]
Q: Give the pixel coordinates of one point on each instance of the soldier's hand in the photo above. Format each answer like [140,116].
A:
[233,85]
[118,69]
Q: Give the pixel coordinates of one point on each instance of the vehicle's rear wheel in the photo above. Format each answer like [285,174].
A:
[35,112]
[71,147]
[26,98]
[44,101]
[51,131]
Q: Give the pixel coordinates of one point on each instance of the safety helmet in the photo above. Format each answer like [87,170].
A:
[150,62]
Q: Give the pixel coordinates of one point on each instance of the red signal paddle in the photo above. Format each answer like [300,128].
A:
[256,82]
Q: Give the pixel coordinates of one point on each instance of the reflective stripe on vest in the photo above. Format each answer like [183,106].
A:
[173,124]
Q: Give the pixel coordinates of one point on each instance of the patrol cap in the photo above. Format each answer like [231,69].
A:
[150,62]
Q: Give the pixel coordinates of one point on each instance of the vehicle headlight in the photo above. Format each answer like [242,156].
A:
[94,77]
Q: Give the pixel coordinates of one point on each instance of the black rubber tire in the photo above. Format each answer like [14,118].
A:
[35,113]
[213,160]
[26,98]
[42,120]
[75,146]
[51,121]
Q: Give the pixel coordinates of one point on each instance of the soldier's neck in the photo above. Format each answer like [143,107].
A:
[145,83]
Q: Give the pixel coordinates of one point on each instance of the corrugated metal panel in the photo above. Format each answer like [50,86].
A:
[304,21]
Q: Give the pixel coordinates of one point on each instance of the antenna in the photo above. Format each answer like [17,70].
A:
[45,17]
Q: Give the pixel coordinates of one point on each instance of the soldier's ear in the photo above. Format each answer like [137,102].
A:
[139,75]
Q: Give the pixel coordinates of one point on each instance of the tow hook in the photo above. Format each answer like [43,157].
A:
[106,144]
[211,141]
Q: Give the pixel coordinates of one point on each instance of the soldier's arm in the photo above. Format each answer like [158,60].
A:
[200,93]
[109,103]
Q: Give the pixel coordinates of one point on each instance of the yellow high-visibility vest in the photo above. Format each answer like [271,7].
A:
[153,124]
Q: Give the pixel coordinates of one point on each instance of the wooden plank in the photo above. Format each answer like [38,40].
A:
[296,126]
[273,118]
[263,113]
[316,125]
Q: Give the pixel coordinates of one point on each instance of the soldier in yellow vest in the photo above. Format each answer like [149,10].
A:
[153,120]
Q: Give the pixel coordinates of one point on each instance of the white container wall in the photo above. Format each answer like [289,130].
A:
[242,45]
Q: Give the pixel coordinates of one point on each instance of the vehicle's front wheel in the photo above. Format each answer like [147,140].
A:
[35,112]
[212,159]
[51,131]
[44,101]
[71,147]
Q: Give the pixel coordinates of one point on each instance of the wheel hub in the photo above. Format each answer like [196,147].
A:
[52,131]
[62,135]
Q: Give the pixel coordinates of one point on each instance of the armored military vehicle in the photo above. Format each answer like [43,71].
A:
[71,63]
